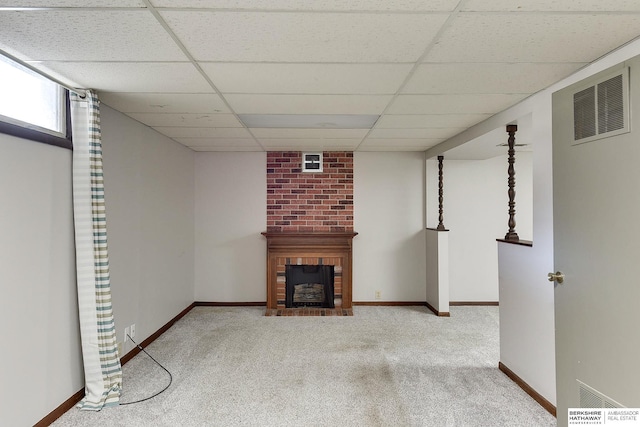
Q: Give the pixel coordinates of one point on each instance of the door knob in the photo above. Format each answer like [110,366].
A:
[556,277]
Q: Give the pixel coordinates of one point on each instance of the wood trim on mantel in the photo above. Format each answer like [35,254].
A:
[305,239]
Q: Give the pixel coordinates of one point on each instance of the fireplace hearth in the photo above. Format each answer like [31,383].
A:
[309,273]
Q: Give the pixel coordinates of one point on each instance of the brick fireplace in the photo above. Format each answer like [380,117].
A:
[309,202]
[291,248]
[309,223]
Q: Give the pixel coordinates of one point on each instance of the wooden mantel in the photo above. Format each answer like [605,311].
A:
[329,248]
[278,239]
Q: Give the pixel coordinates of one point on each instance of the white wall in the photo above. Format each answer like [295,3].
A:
[525,271]
[41,362]
[389,251]
[231,198]
[438,270]
[597,245]
[150,222]
[527,333]
[476,213]
[525,293]
[149,203]
[527,319]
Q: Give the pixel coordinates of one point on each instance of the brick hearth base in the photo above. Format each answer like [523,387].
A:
[309,312]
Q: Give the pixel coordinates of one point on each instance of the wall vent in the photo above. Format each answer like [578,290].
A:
[602,109]
[592,398]
[311,162]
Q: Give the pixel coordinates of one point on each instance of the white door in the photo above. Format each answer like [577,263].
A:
[597,248]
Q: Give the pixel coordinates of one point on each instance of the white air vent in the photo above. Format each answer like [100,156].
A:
[591,398]
[311,162]
[602,109]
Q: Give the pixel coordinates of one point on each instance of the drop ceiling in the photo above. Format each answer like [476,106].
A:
[192,69]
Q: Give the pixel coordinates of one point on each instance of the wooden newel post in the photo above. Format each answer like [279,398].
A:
[440,195]
[511,234]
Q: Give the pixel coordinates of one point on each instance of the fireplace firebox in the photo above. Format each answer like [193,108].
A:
[309,286]
[318,251]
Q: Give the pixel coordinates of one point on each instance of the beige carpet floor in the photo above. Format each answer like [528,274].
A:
[385,366]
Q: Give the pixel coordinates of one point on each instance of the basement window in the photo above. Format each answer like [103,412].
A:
[32,106]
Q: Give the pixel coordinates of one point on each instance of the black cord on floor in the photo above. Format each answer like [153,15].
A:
[158,363]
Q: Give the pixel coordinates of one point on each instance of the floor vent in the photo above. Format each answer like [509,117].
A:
[591,398]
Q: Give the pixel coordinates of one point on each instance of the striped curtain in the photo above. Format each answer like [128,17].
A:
[102,371]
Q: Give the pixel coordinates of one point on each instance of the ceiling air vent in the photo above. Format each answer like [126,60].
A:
[602,109]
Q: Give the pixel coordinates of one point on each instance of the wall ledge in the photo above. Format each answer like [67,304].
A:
[528,243]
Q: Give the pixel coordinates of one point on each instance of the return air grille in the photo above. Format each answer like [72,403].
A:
[584,113]
[602,109]
[592,398]
[611,105]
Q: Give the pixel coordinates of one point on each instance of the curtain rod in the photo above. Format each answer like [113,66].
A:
[81,92]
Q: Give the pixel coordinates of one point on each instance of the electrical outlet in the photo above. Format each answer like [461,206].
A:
[126,334]
[378,295]
[133,330]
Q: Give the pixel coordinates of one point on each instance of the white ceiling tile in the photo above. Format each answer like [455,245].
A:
[227,148]
[382,149]
[483,147]
[218,142]
[87,35]
[304,37]
[308,133]
[315,5]
[163,102]
[202,120]
[551,5]
[132,76]
[309,121]
[487,78]
[307,78]
[72,3]
[184,132]
[371,144]
[391,121]
[514,37]
[431,133]
[407,142]
[308,104]
[358,53]
[453,104]
[342,144]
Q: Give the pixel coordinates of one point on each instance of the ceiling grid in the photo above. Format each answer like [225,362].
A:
[193,69]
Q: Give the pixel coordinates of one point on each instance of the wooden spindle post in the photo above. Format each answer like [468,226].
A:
[440,195]
[511,234]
